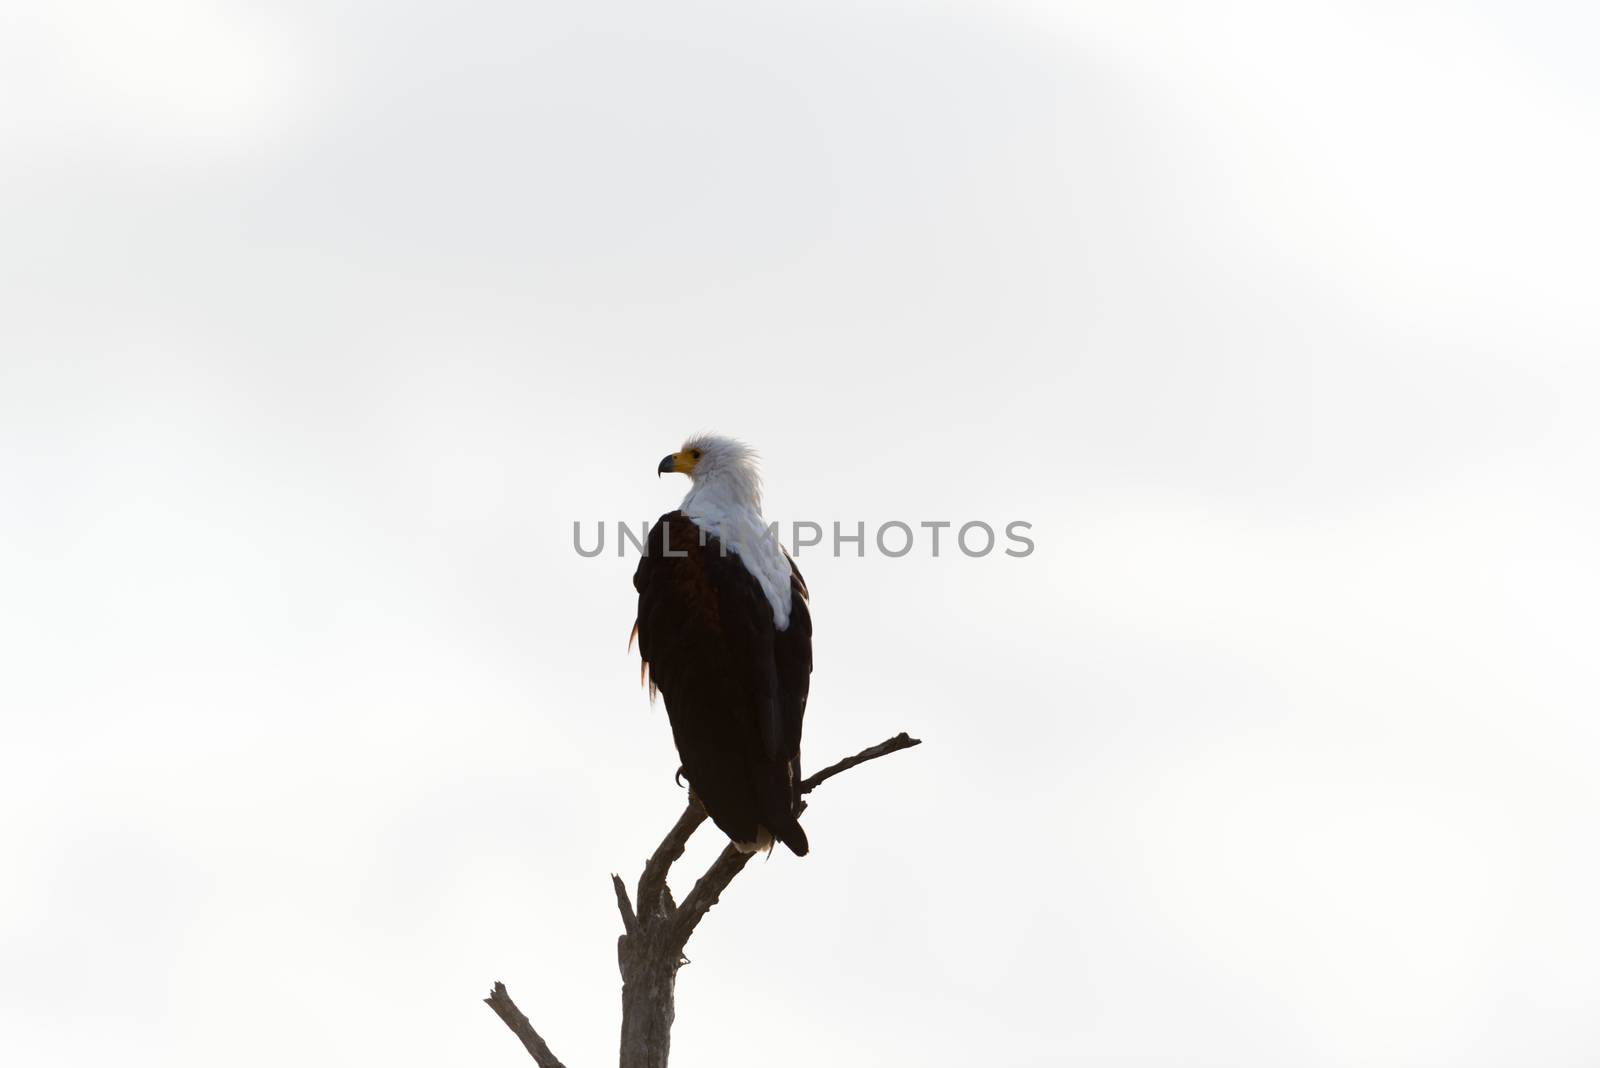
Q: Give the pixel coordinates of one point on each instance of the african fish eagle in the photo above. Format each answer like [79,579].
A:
[724,629]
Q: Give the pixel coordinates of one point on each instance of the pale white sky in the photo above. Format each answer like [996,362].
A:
[322,325]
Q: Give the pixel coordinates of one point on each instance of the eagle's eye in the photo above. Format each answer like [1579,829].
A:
[695,453]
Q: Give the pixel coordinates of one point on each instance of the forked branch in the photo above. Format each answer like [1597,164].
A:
[655,930]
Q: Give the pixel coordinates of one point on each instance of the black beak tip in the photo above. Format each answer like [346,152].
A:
[666,465]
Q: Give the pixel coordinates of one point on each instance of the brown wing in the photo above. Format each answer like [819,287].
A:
[707,639]
[792,650]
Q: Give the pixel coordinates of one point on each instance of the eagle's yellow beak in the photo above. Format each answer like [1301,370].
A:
[681,463]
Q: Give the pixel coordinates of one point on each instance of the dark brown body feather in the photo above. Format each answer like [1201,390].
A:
[735,686]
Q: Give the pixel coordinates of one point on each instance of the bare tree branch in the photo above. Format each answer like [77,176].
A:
[500,1001]
[655,930]
[893,745]
[630,923]
[653,880]
[708,890]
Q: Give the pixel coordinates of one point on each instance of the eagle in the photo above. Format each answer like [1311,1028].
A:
[724,630]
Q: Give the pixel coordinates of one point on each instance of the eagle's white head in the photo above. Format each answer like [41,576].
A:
[724,501]
[725,473]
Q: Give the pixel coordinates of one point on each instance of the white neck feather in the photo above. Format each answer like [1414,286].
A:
[726,503]
[726,490]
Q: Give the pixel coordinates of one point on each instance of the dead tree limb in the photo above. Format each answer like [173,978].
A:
[655,930]
[507,1010]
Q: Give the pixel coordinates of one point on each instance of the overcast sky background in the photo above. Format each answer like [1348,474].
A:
[319,327]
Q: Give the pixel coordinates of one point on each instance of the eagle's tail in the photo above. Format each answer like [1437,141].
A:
[790,834]
[778,800]
[793,836]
